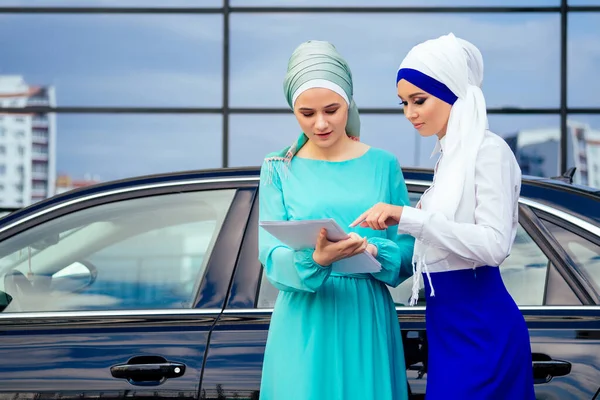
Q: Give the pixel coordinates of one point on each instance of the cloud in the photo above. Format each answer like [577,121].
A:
[117,146]
[206,28]
[254,136]
[583,60]
[144,88]
[102,60]
[399,3]
[189,27]
[110,3]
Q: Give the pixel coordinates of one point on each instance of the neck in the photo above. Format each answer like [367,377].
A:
[442,133]
[336,152]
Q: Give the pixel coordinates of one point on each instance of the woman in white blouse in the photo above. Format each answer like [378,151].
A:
[464,227]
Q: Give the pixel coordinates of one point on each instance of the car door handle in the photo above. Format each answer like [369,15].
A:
[147,370]
[544,371]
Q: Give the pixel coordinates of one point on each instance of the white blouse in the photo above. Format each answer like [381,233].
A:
[480,235]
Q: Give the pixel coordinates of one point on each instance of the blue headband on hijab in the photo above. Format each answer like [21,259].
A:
[427,83]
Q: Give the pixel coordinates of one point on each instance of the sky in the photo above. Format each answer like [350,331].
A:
[176,61]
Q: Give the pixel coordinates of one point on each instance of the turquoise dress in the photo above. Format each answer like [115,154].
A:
[333,336]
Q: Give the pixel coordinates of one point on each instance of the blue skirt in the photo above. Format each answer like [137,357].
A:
[478,342]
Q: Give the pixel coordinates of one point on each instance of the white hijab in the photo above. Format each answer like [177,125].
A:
[458,65]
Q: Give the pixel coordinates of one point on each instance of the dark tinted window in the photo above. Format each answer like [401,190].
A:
[584,253]
[146,253]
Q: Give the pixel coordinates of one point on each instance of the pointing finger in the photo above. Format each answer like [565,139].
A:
[360,219]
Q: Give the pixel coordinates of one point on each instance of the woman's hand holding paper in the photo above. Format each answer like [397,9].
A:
[327,252]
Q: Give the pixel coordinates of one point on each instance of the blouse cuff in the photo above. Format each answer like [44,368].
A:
[412,221]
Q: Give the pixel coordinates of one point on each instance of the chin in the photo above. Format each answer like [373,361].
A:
[325,144]
[427,133]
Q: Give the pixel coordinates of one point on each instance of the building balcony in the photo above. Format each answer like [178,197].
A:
[38,192]
[38,122]
[39,176]
[39,139]
[39,157]
[38,102]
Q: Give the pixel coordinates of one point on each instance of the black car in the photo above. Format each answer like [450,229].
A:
[151,288]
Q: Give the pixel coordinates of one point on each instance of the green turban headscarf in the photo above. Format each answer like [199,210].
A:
[317,60]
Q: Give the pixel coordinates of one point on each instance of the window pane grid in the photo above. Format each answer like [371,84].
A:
[186,86]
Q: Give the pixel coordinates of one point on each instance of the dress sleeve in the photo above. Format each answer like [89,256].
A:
[286,269]
[489,239]
[395,251]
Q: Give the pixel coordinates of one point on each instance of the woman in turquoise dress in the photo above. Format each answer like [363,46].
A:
[332,335]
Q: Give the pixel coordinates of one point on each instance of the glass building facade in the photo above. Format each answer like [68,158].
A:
[110,89]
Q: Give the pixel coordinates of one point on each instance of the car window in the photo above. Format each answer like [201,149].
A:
[582,251]
[141,253]
[523,273]
[414,198]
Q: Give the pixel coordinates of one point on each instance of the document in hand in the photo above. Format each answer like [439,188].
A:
[303,234]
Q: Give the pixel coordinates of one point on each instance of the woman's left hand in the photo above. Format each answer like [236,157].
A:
[379,217]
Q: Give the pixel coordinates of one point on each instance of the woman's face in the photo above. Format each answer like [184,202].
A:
[322,115]
[428,114]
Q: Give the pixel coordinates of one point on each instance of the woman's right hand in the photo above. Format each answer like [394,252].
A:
[327,252]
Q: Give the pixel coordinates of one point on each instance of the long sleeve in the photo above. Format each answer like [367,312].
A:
[488,240]
[395,251]
[286,269]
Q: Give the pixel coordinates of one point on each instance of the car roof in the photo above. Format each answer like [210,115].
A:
[578,200]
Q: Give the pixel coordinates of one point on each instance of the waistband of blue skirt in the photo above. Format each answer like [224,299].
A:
[465,283]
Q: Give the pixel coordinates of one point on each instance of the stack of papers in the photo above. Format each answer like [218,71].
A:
[300,235]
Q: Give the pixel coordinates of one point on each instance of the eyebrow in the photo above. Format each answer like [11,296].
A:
[310,109]
[410,96]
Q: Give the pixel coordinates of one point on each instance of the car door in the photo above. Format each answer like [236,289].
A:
[559,307]
[535,274]
[115,294]
[235,356]
[551,295]
[565,331]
